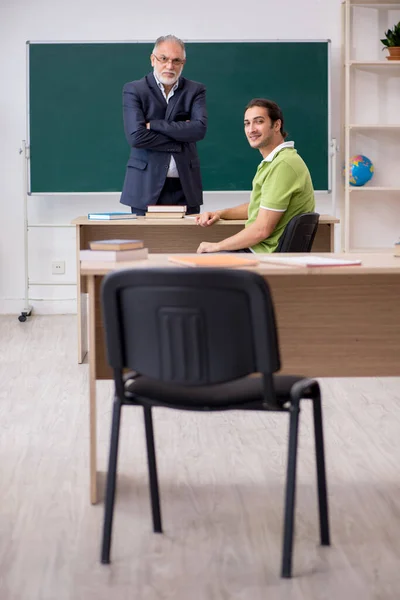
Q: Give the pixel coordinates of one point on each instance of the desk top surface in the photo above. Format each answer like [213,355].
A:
[382,263]
[186,221]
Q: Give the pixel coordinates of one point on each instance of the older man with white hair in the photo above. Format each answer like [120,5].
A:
[164,116]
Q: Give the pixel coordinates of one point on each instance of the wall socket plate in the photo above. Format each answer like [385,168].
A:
[58,267]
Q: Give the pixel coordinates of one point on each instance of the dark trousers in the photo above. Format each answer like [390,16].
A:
[172,193]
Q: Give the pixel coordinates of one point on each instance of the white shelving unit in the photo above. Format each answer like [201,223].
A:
[371,124]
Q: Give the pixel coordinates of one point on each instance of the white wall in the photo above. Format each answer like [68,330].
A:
[44,20]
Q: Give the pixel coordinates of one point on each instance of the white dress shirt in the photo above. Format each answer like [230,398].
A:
[172,170]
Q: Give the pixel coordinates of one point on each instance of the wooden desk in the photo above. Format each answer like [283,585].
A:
[165,236]
[183,235]
[332,321]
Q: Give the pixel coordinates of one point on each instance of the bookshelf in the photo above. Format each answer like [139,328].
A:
[371,213]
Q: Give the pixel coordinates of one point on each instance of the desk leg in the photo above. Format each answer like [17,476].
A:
[92,390]
[332,237]
[82,312]
[81,304]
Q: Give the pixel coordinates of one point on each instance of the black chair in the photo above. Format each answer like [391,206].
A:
[299,233]
[206,340]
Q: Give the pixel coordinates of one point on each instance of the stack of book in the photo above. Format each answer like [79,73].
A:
[165,212]
[115,251]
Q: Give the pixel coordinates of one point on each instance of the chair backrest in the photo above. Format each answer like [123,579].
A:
[299,233]
[191,326]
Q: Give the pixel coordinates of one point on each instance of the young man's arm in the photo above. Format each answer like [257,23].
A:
[234,213]
[258,231]
[275,198]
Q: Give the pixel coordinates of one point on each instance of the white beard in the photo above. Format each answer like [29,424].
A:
[168,80]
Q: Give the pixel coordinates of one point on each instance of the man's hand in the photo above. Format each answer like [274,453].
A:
[208,247]
[206,219]
[147,125]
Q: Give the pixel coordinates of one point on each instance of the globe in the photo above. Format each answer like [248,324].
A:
[361,170]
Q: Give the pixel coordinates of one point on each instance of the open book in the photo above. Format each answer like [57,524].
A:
[213,260]
[309,261]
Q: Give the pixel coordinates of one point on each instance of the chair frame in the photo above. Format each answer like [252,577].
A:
[302,389]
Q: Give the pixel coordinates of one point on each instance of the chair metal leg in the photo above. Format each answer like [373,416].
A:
[321,474]
[151,460]
[111,480]
[290,491]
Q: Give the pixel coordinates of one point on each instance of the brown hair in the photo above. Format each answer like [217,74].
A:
[274,112]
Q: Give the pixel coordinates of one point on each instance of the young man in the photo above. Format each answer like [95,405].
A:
[282,186]
[164,116]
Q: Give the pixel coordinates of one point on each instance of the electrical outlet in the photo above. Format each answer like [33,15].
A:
[58,267]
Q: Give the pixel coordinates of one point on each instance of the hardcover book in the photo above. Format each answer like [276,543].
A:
[174,208]
[110,216]
[114,255]
[116,244]
[164,215]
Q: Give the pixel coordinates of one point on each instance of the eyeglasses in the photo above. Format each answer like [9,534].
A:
[176,62]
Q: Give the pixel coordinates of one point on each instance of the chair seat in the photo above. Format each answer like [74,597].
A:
[244,391]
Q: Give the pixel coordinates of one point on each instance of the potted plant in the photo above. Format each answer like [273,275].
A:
[392,42]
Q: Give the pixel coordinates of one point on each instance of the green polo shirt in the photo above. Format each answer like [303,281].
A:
[282,183]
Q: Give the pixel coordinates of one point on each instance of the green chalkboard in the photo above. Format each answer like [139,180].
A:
[75,109]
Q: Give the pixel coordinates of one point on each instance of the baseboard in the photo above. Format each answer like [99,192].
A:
[14,306]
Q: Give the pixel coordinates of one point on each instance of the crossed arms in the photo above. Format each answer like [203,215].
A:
[162,135]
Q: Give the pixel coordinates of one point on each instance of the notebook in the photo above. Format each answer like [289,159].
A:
[212,260]
[310,261]
[110,216]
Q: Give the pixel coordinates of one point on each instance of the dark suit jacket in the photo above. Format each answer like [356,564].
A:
[169,133]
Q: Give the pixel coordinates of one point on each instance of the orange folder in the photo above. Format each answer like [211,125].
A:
[213,260]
